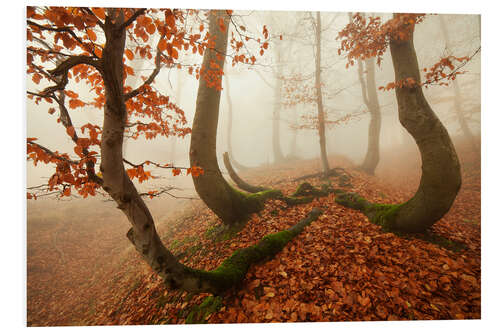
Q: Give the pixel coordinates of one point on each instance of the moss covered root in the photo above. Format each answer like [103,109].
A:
[233,270]
[385,215]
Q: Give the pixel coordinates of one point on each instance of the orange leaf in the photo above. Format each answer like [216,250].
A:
[151,28]
[67,191]
[162,45]
[100,13]
[92,35]
[70,130]
[129,54]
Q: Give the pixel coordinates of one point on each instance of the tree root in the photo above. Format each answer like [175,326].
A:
[385,216]
[232,271]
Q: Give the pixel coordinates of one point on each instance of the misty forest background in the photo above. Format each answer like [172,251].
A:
[82,269]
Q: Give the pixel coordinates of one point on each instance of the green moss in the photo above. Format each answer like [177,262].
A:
[233,269]
[352,200]
[383,214]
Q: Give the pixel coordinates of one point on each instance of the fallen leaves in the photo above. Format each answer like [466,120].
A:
[340,268]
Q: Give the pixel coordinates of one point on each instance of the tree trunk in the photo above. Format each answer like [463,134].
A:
[319,95]
[457,102]
[230,126]
[116,181]
[229,205]
[370,98]
[278,154]
[441,179]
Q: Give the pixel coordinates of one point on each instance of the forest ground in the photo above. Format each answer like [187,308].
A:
[82,270]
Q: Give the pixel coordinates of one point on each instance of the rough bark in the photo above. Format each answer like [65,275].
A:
[457,102]
[229,205]
[115,180]
[319,96]
[118,185]
[441,179]
[370,98]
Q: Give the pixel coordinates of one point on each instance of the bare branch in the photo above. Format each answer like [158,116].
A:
[153,75]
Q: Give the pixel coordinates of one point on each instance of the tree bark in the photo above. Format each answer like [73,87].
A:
[229,205]
[319,96]
[370,98]
[441,179]
[115,180]
[237,179]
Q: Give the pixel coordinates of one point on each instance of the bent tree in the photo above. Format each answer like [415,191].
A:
[93,46]
[229,204]
[441,178]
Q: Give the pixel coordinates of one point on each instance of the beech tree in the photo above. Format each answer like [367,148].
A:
[229,204]
[96,50]
[441,178]
[370,99]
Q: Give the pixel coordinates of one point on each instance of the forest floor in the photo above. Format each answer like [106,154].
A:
[81,269]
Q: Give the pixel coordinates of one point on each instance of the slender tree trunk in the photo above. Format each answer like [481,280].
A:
[319,94]
[278,154]
[457,102]
[229,117]
[229,205]
[441,179]
[230,126]
[116,181]
[370,98]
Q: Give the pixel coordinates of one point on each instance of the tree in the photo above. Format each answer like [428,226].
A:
[319,95]
[102,64]
[230,205]
[441,178]
[370,98]
[458,100]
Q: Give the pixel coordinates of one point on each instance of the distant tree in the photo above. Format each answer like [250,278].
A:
[370,99]
[441,179]
[458,99]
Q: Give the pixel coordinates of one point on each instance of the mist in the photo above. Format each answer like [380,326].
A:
[271,100]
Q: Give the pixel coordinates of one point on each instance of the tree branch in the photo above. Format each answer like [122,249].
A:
[132,18]
[151,77]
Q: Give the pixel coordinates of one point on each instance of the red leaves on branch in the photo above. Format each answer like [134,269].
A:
[365,38]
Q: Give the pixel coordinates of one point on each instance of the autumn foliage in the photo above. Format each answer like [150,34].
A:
[65,46]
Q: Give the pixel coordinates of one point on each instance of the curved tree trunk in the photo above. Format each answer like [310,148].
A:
[229,205]
[441,179]
[237,179]
[119,186]
[319,95]
[370,98]
[116,181]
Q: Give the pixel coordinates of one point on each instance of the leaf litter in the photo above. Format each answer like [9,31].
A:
[340,268]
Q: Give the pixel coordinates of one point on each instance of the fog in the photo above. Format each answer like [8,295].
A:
[253,99]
